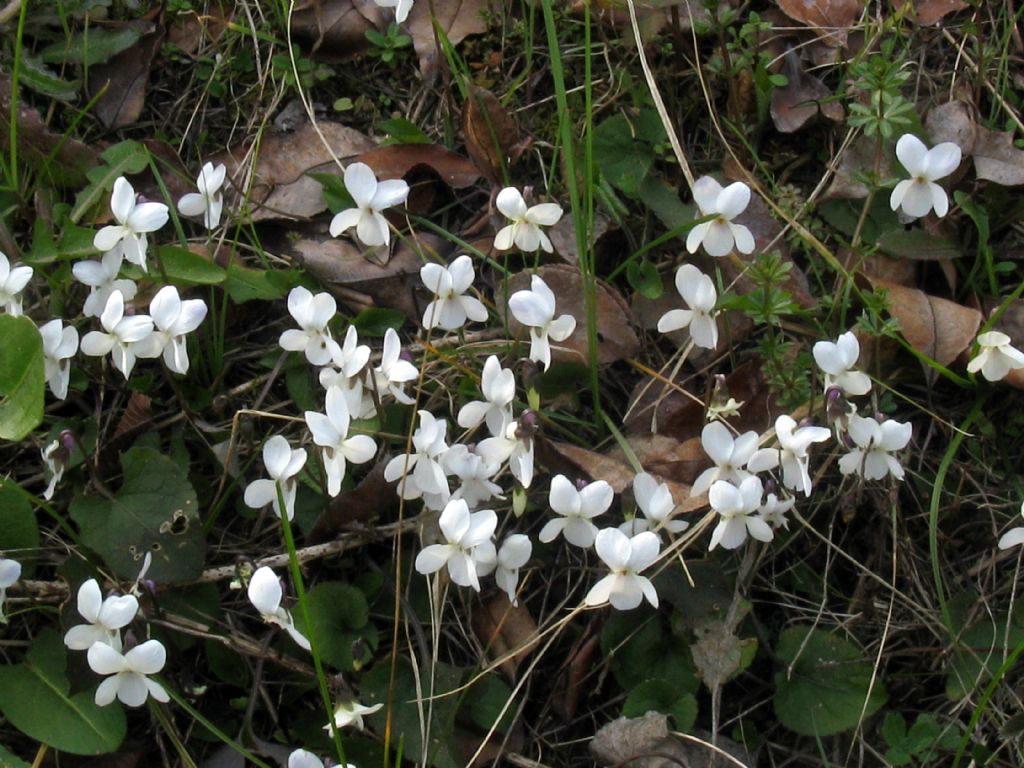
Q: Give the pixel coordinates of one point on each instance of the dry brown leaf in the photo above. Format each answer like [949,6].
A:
[566,699]
[123,79]
[936,327]
[830,19]
[645,742]
[137,413]
[393,161]
[802,98]
[855,162]
[373,496]
[507,632]
[563,236]
[997,159]
[334,30]
[665,456]
[36,143]
[490,133]
[189,30]
[953,121]
[933,11]
[615,336]
[282,188]
[457,18]
[348,274]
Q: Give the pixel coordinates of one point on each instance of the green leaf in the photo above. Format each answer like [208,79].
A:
[182,266]
[121,159]
[622,154]
[894,729]
[661,696]
[245,284]
[21,377]
[375,321]
[644,278]
[35,697]
[823,687]
[335,193]
[36,75]
[664,203]
[918,245]
[10,760]
[154,511]
[980,652]
[93,45]
[339,618]
[485,701]
[19,531]
[403,131]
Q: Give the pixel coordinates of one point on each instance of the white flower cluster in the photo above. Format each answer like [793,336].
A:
[127,672]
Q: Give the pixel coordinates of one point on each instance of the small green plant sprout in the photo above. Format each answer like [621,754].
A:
[387,45]
[919,194]
[884,110]
[921,744]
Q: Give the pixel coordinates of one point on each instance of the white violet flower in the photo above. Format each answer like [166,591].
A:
[371,197]
[173,319]
[698,291]
[874,443]
[450,308]
[265,594]
[120,335]
[513,554]
[624,587]
[330,432]
[129,682]
[474,475]
[794,442]
[134,220]
[535,308]
[300,758]
[55,458]
[737,510]
[402,8]
[10,572]
[576,509]
[106,618]
[12,282]
[654,501]
[515,446]
[730,456]
[59,345]
[720,234]
[499,390]
[919,194]
[996,356]
[208,202]
[351,713]
[836,360]
[282,464]
[101,277]
[774,510]
[1012,538]
[393,372]
[312,337]
[524,229]
[421,471]
[466,533]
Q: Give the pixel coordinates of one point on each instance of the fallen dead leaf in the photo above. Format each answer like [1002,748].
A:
[393,161]
[189,31]
[506,631]
[645,742]
[348,274]
[281,186]
[854,163]
[575,461]
[936,327]
[953,121]
[563,236]
[490,133]
[933,11]
[665,456]
[803,97]
[566,699]
[997,159]
[830,19]
[124,78]
[458,19]
[615,336]
[63,161]
[373,496]
[333,30]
